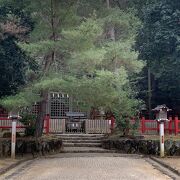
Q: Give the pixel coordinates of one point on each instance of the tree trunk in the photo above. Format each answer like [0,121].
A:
[111,34]
[149,92]
[111,30]
[49,60]
[41,114]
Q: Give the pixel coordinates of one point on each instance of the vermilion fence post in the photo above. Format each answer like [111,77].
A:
[47,119]
[170,125]
[143,128]
[176,125]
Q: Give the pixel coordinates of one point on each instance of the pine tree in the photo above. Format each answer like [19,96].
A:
[85,54]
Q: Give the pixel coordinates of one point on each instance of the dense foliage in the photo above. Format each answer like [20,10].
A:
[15,26]
[12,69]
[28,119]
[158,43]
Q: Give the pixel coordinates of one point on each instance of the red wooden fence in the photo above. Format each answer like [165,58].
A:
[177,128]
[146,125]
[5,123]
[171,126]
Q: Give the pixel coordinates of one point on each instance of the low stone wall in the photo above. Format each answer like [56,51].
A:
[142,146]
[29,146]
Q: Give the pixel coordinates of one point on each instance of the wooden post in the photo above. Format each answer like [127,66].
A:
[47,123]
[170,125]
[87,126]
[63,126]
[176,125]
[143,125]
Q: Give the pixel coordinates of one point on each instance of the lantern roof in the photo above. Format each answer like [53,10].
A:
[161,107]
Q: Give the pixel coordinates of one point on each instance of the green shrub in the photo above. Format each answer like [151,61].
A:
[29,121]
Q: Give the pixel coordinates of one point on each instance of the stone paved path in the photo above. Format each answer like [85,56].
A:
[89,167]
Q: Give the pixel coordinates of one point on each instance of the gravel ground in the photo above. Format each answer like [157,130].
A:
[85,168]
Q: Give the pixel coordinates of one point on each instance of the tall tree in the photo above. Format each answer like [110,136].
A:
[51,17]
[158,43]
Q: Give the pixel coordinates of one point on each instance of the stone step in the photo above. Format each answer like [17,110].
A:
[82,144]
[81,138]
[81,135]
[82,141]
[86,150]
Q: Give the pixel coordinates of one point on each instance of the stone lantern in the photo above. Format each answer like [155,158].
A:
[14,115]
[161,116]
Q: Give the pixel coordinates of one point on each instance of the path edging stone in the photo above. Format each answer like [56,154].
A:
[8,168]
[165,165]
